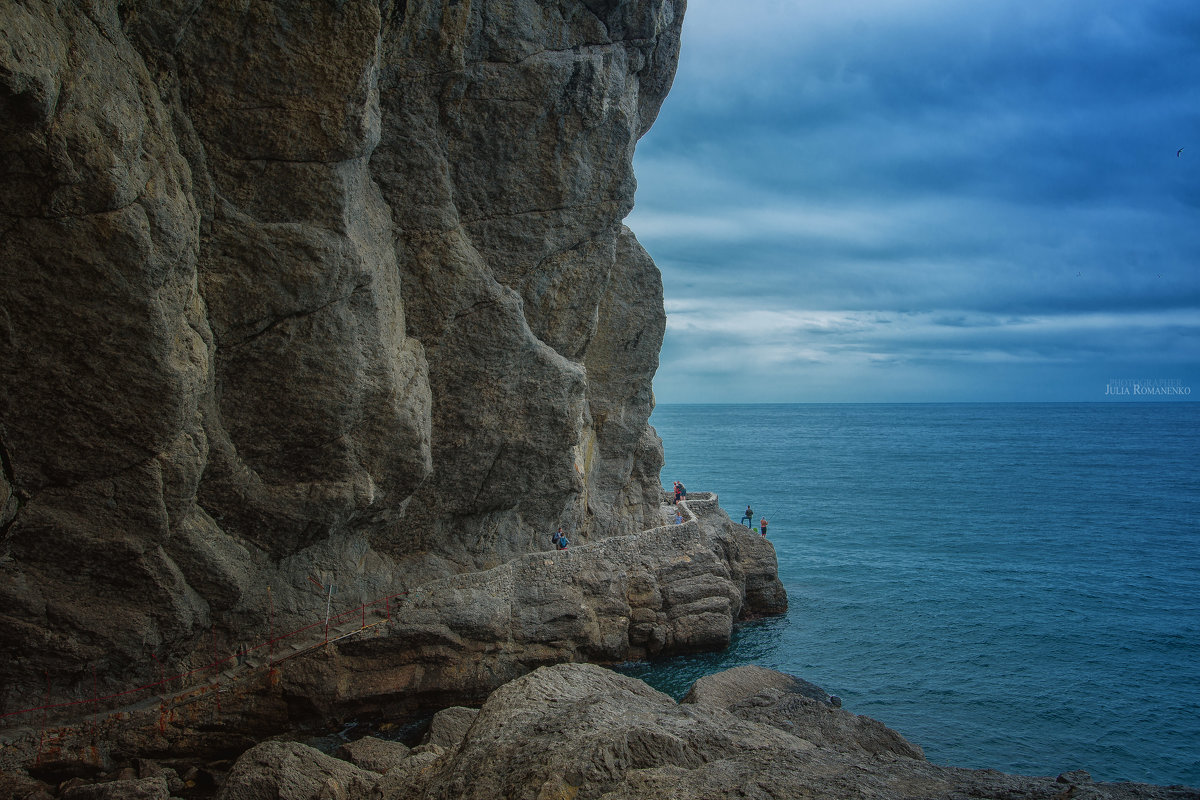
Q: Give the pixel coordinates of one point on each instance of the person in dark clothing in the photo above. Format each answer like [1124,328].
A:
[748,517]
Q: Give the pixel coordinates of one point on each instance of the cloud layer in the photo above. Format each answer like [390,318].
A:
[888,200]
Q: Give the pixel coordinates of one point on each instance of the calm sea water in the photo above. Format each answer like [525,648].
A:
[1014,586]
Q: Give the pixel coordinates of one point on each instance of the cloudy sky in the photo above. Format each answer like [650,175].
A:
[927,200]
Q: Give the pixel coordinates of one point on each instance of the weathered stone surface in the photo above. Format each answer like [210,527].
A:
[291,771]
[449,726]
[299,296]
[727,689]
[793,709]
[673,588]
[376,755]
[297,293]
[580,731]
[122,789]
[18,784]
[146,768]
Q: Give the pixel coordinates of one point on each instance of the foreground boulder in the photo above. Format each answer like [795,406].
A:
[376,755]
[581,731]
[291,771]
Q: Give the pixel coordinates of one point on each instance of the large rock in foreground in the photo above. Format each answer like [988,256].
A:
[583,732]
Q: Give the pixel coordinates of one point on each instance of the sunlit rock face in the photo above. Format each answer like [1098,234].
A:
[309,302]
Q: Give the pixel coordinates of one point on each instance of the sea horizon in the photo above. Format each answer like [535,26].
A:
[1160,400]
[1010,585]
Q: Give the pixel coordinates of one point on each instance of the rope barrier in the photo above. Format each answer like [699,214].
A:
[218,663]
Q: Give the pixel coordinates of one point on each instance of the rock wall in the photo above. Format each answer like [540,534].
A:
[298,292]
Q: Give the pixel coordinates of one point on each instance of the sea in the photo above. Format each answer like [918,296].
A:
[1010,586]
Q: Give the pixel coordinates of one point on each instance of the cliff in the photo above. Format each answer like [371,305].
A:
[311,308]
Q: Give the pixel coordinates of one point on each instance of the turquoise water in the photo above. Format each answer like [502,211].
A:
[1014,586]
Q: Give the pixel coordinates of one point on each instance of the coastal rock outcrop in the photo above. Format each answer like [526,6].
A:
[307,304]
[581,731]
[672,588]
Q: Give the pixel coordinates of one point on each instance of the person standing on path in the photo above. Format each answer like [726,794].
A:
[762,526]
[748,517]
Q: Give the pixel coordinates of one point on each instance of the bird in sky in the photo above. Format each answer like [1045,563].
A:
[1179,152]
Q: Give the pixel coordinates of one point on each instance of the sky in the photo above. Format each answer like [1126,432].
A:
[928,201]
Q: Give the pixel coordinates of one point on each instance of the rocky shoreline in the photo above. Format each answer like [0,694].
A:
[583,732]
[674,588]
[562,730]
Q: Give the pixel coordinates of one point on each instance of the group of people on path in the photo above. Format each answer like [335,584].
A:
[559,539]
[748,520]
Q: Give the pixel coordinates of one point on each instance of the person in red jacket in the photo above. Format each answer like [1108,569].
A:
[762,526]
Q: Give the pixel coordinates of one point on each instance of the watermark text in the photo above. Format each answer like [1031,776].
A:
[1147,387]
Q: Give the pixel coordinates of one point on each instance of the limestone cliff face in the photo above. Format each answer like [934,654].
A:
[299,290]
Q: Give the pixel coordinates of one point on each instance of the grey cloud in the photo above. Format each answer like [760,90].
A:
[977,163]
